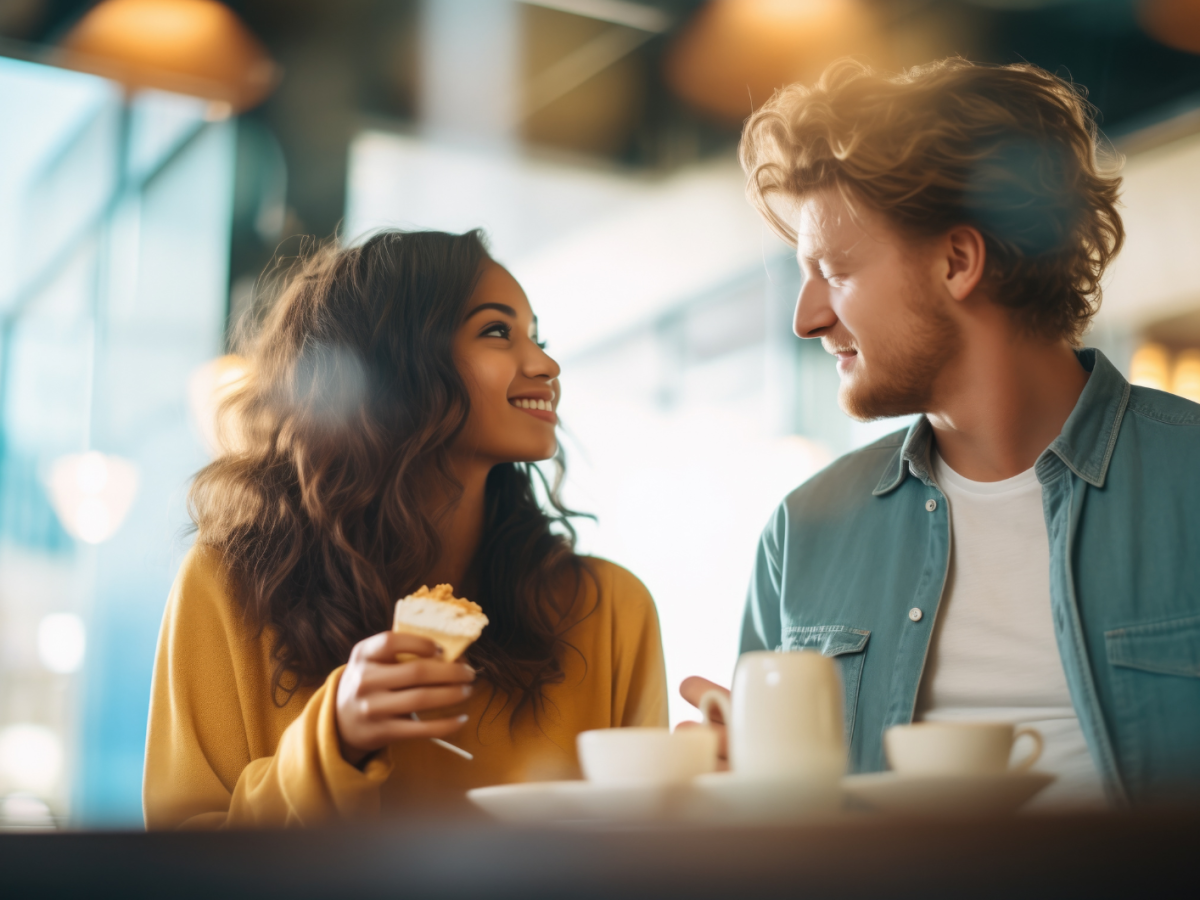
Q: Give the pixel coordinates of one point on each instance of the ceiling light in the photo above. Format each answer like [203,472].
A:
[209,386]
[61,641]
[1175,23]
[736,53]
[30,758]
[1151,367]
[1185,381]
[91,493]
[197,47]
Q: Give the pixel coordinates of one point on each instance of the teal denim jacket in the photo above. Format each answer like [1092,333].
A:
[852,551]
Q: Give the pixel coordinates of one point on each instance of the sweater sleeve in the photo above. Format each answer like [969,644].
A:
[219,754]
[639,671]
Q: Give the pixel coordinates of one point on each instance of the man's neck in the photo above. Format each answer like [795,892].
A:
[1003,401]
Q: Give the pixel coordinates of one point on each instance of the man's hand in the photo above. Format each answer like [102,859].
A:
[377,696]
[692,689]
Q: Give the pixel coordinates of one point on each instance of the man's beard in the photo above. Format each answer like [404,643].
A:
[900,378]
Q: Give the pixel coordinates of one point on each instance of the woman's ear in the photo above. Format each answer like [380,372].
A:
[965,259]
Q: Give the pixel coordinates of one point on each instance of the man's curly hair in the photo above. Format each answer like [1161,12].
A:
[1010,150]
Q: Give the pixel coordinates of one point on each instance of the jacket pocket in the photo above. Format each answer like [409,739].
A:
[846,645]
[1155,672]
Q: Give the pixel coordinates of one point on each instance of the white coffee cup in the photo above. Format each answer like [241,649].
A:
[646,755]
[784,716]
[958,748]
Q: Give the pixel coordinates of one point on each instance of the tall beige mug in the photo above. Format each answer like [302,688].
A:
[784,716]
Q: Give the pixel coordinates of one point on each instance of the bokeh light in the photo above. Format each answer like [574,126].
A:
[30,758]
[62,642]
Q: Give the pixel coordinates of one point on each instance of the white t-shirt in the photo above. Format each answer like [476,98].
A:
[994,656]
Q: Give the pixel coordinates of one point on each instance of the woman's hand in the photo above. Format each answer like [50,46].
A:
[377,695]
[692,689]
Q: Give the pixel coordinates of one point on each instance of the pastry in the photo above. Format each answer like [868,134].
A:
[453,623]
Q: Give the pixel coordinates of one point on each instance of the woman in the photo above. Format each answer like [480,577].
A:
[399,396]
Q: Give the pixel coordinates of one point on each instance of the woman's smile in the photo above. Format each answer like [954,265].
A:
[540,406]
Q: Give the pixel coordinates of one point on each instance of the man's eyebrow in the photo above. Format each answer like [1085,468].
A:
[499,307]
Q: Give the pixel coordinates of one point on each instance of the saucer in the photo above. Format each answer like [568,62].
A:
[580,801]
[733,798]
[894,792]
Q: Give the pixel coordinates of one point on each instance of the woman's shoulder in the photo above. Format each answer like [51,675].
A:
[618,587]
[203,585]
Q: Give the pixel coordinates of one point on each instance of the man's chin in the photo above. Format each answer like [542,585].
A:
[862,404]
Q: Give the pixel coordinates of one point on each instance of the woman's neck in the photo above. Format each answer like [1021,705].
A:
[459,525]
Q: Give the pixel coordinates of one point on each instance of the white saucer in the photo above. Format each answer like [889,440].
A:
[733,798]
[580,801]
[718,798]
[892,792]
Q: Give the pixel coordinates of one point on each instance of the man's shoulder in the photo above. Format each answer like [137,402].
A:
[852,476]
[1150,405]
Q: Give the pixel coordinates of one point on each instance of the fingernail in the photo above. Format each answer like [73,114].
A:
[463,717]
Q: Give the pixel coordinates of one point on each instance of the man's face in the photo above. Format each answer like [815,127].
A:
[871,297]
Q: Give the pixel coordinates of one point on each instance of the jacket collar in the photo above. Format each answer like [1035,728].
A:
[1085,444]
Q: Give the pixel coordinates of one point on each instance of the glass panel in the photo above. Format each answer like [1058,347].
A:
[111,291]
[159,123]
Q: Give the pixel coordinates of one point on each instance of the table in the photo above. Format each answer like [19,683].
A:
[1139,855]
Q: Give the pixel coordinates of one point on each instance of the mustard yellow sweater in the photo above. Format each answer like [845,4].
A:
[220,753]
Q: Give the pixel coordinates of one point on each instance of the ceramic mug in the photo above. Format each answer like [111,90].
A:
[784,716]
[646,755]
[958,748]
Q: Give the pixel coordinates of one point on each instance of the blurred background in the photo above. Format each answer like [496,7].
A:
[156,154]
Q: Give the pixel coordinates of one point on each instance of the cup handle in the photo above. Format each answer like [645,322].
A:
[715,698]
[1034,755]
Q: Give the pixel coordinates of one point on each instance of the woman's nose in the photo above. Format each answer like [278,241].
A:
[540,364]
[814,315]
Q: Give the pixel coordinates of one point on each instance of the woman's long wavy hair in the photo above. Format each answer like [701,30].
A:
[338,439]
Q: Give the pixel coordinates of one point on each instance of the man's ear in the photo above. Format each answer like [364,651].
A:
[964,260]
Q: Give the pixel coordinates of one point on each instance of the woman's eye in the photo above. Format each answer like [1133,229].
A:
[497,329]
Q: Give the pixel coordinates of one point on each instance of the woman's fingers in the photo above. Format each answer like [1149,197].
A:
[407,729]
[389,704]
[384,646]
[420,673]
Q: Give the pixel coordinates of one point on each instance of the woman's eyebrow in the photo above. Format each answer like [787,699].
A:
[499,307]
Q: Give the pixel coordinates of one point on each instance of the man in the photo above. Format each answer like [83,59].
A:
[1029,550]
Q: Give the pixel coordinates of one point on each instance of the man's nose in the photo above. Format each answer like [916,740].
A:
[814,315]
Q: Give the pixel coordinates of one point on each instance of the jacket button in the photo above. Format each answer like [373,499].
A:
[930,505]
[914,613]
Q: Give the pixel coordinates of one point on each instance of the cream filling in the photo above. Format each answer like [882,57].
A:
[433,615]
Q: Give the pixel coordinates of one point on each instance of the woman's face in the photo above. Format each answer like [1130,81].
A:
[512,383]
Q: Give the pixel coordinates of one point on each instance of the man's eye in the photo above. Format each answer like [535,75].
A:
[497,329]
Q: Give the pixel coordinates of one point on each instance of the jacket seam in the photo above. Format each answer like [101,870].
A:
[1084,660]
[1154,416]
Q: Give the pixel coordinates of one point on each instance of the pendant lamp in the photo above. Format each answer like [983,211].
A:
[735,53]
[1175,23]
[197,47]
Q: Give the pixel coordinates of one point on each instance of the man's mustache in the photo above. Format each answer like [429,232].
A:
[834,348]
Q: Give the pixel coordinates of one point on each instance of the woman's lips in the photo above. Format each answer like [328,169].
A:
[529,404]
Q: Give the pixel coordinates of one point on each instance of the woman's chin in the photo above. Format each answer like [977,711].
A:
[537,454]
